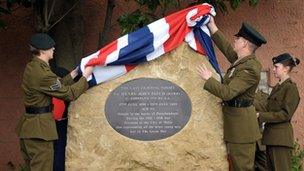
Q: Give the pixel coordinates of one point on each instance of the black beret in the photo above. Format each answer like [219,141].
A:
[285,57]
[41,41]
[250,34]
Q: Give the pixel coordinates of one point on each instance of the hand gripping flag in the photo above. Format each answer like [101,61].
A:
[151,42]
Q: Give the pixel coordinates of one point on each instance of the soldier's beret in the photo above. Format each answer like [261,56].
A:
[41,41]
[285,57]
[250,34]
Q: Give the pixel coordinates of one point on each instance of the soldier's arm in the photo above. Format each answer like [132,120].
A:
[224,46]
[260,101]
[239,84]
[51,85]
[67,80]
[289,106]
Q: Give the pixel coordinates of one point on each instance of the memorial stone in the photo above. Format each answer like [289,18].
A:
[95,144]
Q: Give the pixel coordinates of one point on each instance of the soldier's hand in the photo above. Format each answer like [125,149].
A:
[74,73]
[211,25]
[203,72]
[88,71]
[211,21]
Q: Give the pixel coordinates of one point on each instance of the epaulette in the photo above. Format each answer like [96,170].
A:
[44,67]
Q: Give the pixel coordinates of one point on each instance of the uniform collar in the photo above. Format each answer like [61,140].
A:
[244,59]
[278,86]
[287,80]
[36,59]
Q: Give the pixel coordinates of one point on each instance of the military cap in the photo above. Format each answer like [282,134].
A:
[41,41]
[285,57]
[250,34]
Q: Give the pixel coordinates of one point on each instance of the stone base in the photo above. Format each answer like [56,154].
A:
[94,145]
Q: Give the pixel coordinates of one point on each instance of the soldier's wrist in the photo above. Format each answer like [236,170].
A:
[213,29]
[73,75]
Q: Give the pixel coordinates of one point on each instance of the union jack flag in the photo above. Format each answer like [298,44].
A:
[151,42]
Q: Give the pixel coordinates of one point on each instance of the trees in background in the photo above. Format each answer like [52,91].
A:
[151,10]
[64,21]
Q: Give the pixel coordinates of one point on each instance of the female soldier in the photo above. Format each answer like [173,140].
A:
[36,128]
[277,112]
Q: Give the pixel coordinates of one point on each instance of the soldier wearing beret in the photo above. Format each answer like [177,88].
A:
[241,129]
[36,128]
[277,112]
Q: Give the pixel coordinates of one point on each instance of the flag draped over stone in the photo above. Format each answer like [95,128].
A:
[151,42]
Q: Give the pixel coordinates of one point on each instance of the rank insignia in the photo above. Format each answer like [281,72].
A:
[56,85]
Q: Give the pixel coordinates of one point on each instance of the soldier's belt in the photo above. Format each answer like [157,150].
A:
[38,110]
[238,103]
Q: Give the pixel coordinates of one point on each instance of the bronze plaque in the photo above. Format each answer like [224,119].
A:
[148,109]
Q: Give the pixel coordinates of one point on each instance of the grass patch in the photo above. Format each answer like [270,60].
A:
[297,157]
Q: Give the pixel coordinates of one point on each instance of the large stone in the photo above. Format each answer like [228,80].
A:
[94,145]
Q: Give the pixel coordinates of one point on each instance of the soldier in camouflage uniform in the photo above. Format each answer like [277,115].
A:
[36,128]
[241,129]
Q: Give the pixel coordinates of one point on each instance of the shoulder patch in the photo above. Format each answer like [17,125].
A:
[56,85]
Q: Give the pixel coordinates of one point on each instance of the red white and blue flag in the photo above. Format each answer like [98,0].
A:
[151,42]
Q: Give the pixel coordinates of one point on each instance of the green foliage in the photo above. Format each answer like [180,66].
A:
[8,9]
[235,3]
[217,4]
[220,4]
[297,158]
[145,14]
[151,4]
[25,3]
[2,25]
[3,11]
[22,167]
[253,2]
[132,21]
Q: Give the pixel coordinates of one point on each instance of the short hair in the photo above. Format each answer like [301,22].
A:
[252,46]
[34,51]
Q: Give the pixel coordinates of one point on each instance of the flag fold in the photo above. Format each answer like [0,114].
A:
[151,42]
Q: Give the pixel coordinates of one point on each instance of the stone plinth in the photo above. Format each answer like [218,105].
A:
[94,145]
